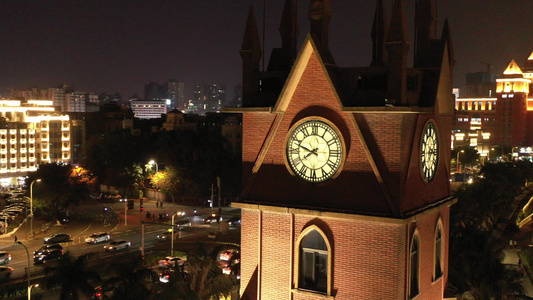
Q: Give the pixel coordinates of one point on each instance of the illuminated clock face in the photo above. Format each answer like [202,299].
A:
[314,151]
[429,152]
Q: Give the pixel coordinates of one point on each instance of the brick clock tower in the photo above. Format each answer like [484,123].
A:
[346,169]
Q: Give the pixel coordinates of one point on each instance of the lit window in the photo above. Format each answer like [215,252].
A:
[437,272]
[313,266]
[414,266]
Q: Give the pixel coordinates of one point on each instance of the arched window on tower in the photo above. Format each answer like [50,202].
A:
[414,266]
[437,270]
[314,261]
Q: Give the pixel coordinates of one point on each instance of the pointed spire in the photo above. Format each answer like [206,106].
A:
[447,37]
[251,57]
[424,27]
[397,46]
[289,29]
[398,26]
[379,30]
[319,16]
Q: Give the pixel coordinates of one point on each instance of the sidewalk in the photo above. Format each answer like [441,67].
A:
[512,257]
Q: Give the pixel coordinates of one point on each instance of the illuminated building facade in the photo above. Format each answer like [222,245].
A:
[32,133]
[504,121]
[145,109]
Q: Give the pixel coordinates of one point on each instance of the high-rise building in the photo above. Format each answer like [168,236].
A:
[33,132]
[346,191]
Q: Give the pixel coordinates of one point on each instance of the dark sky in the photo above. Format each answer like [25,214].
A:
[120,45]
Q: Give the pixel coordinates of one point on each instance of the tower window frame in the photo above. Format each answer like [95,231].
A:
[414,265]
[438,266]
[314,262]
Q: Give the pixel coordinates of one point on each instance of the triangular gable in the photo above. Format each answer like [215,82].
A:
[512,69]
[530,56]
[296,73]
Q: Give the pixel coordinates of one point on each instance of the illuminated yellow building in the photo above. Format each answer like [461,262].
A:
[503,121]
[31,132]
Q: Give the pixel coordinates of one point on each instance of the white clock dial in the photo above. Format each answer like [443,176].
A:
[314,151]
[429,152]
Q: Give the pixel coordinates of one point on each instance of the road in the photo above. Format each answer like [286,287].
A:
[80,229]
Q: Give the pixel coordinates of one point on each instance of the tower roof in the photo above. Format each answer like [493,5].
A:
[512,69]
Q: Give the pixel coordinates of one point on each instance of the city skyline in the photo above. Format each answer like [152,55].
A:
[100,47]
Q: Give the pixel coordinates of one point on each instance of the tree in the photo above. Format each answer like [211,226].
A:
[72,276]
[127,280]
[477,236]
[60,187]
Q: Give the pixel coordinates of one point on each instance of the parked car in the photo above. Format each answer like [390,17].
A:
[172,261]
[5,272]
[117,245]
[4,257]
[57,238]
[46,248]
[47,256]
[98,238]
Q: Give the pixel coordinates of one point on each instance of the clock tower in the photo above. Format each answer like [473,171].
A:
[346,169]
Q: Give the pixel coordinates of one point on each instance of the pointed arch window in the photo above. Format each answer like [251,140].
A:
[437,271]
[314,262]
[414,266]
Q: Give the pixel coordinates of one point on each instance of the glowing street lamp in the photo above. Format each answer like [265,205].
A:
[31,206]
[458,162]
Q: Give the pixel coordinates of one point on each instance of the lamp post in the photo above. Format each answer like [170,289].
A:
[458,162]
[156,171]
[29,266]
[29,289]
[31,206]
[172,236]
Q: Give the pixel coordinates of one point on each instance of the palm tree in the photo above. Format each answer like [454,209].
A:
[71,274]
[128,280]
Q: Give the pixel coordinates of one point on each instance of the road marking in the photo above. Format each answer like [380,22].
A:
[83,231]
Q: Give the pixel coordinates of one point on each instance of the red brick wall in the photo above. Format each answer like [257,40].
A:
[370,259]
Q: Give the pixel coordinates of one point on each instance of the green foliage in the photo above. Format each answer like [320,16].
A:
[477,220]
[58,188]
[72,276]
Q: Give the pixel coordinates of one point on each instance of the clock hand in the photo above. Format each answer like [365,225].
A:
[305,148]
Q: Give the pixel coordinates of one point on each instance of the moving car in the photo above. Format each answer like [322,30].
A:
[117,245]
[47,255]
[164,236]
[213,218]
[46,248]
[172,261]
[5,272]
[234,221]
[98,238]
[4,257]
[164,276]
[57,238]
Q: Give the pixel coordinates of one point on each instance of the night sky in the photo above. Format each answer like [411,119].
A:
[120,45]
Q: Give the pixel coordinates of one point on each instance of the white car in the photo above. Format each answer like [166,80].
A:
[98,238]
[117,245]
[172,261]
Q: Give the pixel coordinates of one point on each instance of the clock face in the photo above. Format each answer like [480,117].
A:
[314,151]
[429,152]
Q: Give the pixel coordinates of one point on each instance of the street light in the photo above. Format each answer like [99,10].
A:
[458,163]
[29,266]
[172,236]
[156,171]
[31,207]
[29,289]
